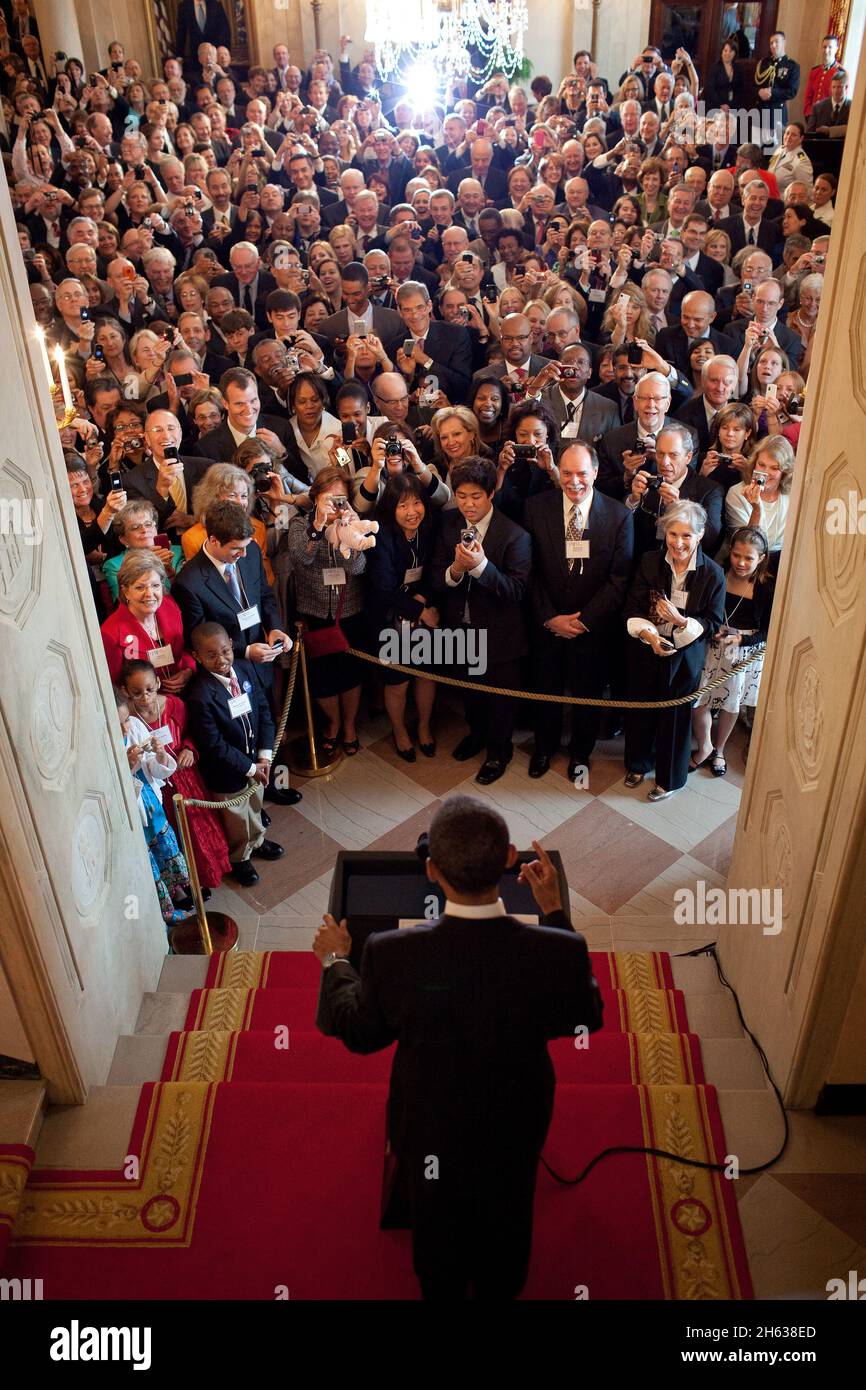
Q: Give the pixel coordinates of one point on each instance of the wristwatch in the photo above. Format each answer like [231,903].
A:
[331,959]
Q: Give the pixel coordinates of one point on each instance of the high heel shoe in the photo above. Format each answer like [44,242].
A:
[407,754]
[428,749]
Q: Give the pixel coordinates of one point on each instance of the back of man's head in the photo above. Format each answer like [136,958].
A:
[469,844]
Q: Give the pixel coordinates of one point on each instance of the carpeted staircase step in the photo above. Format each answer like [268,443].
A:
[252,1189]
[232,1010]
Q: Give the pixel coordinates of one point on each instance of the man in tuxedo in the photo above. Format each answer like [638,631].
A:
[768,301]
[582,544]
[752,228]
[248,282]
[165,477]
[697,315]
[623,451]
[479,572]
[719,381]
[439,349]
[355,289]
[477,1093]
[579,413]
[829,117]
[240,392]
[519,363]
[679,482]
[200,21]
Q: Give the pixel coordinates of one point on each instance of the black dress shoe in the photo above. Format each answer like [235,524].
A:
[286,796]
[407,754]
[266,820]
[467,748]
[244,873]
[492,769]
[539,763]
[268,849]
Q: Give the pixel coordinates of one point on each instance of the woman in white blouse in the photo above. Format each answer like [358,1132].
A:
[315,429]
[763,497]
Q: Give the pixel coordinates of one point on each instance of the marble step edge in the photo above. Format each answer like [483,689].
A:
[729,1063]
[22,1111]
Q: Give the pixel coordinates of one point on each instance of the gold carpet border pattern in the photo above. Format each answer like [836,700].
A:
[158,1208]
[14,1172]
[696,1252]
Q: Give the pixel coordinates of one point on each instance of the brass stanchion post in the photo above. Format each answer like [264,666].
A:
[303,756]
[199,936]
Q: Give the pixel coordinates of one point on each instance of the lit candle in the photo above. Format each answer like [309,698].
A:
[40,334]
[64,379]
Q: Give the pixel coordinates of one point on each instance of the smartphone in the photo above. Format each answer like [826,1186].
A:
[361,330]
[772,392]
[116,482]
[468,257]
[408,346]
[171,453]
[635,354]
[161,541]
[184,379]
[85,315]
[350,433]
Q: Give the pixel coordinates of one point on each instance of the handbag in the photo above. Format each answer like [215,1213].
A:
[327,641]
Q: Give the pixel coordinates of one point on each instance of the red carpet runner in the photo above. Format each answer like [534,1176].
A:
[245,1149]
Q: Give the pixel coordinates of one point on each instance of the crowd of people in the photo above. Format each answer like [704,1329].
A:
[553,339]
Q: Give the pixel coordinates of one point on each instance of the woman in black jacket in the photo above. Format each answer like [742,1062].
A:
[727,85]
[395,596]
[676,603]
[749,592]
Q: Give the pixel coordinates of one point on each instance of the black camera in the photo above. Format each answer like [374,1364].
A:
[468,256]
[139,171]
[726,460]
[81,141]
[526,452]
[570,373]
[148,224]
[379,282]
[261,475]
[350,434]
[654,483]
[85,315]
[29,255]
[98,353]
[393,448]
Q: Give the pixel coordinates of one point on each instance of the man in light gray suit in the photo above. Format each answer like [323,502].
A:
[580,414]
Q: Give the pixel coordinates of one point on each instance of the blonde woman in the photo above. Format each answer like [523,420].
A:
[630,322]
[343,244]
[223,482]
[762,499]
[455,437]
[148,352]
[718,248]
[538,313]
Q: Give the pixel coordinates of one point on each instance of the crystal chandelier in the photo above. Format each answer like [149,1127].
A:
[458,38]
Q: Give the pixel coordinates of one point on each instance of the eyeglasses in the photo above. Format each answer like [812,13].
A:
[397,400]
[518,338]
[652,400]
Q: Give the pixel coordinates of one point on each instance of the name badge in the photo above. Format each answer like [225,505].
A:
[411,576]
[679,598]
[162,734]
[238,705]
[597,296]
[160,656]
[577,550]
[248,617]
[333,574]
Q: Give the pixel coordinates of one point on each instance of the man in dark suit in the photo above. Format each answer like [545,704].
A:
[579,413]
[390,162]
[679,482]
[200,21]
[442,350]
[710,273]
[582,544]
[719,383]
[697,314]
[623,451]
[240,391]
[479,572]
[753,228]
[351,183]
[829,117]
[494,182]
[520,365]
[768,300]
[165,477]
[385,323]
[248,282]
[477,1093]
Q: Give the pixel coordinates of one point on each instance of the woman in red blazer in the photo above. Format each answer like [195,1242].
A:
[147,625]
